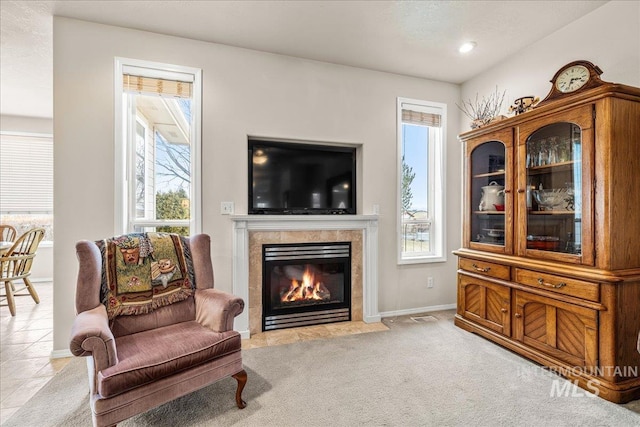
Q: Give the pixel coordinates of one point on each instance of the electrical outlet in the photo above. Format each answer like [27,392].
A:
[226,208]
[429,282]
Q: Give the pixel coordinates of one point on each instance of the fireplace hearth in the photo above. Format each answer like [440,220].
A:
[305,284]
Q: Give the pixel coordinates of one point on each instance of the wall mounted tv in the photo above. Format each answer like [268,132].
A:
[300,178]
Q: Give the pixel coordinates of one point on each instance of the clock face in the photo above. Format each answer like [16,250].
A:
[572,79]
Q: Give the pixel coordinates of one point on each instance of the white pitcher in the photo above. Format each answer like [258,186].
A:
[492,194]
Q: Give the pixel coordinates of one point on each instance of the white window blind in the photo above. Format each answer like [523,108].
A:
[421,115]
[153,86]
[26,174]
[165,83]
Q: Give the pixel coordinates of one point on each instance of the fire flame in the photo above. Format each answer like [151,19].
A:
[308,290]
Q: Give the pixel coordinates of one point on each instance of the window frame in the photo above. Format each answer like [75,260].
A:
[125,155]
[436,191]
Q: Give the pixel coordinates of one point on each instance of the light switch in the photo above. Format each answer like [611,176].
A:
[226,208]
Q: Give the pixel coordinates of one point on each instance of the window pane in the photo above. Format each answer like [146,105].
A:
[415,216]
[416,237]
[162,159]
[415,148]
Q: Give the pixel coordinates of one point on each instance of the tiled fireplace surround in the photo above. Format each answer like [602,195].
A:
[252,231]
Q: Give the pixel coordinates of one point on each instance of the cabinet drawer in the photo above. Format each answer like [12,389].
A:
[562,285]
[491,269]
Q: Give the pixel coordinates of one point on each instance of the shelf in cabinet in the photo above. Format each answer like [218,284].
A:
[489,174]
[488,212]
[554,167]
[551,212]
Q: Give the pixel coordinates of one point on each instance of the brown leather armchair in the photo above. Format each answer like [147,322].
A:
[137,362]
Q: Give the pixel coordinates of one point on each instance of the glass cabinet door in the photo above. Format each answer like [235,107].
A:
[553,189]
[489,179]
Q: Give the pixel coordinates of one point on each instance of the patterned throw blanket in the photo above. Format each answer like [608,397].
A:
[144,271]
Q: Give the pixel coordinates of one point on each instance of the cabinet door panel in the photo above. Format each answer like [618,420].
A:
[535,321]
[485,303]
[571,338]
[564,331]
[488,213]
[555,187]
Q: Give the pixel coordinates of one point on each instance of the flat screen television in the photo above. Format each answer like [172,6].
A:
[299,178]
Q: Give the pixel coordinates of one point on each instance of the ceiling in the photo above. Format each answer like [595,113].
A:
[413,38]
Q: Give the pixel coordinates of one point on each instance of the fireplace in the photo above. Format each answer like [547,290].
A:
[305,284]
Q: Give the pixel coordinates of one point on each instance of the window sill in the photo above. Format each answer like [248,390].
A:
[422,260]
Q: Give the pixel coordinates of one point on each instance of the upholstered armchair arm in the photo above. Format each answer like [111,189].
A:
[216,309]
[91,336]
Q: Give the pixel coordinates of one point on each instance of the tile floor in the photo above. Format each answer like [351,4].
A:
[286,336]
[26,342]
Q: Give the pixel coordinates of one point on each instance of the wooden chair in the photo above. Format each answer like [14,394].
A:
[7,233]
[15,265]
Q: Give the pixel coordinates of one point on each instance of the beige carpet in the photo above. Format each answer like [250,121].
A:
[425,372]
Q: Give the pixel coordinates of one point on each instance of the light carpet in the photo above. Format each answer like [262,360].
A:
[426,373]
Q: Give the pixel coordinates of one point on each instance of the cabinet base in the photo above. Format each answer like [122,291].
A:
[620,392]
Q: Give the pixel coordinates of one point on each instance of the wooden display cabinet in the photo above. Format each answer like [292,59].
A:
[554,275]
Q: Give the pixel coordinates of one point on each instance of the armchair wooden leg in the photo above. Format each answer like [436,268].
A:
[10,300]
[241,377]
[32,290]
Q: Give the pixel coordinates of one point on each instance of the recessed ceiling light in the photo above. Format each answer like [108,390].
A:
[467,47]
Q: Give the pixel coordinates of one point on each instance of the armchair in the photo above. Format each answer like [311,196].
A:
[140,360]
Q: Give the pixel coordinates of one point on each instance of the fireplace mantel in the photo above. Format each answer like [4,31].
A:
[243,224]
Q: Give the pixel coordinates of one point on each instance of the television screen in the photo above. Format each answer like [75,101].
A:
[298,178]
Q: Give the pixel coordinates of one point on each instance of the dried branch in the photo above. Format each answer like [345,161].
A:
[481,112]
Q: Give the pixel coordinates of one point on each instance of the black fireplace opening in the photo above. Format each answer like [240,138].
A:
[305,284]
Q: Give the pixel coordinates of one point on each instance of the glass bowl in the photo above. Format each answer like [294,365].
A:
[550,199]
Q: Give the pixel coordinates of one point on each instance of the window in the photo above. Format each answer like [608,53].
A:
[421,136]
[158,147]
[26,181]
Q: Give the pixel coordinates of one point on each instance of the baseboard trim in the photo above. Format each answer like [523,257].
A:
[61,354]
[417,310]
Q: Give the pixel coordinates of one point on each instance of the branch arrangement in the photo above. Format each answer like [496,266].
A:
[481,112]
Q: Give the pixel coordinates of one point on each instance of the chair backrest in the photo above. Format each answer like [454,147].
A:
[90,277]
[7,233]
[28,243]
[18,259]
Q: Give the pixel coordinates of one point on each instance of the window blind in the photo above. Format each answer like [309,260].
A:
[26,174]
[156,86]
[420,115]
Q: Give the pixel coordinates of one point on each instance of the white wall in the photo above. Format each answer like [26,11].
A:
[244,93]
[609,37]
